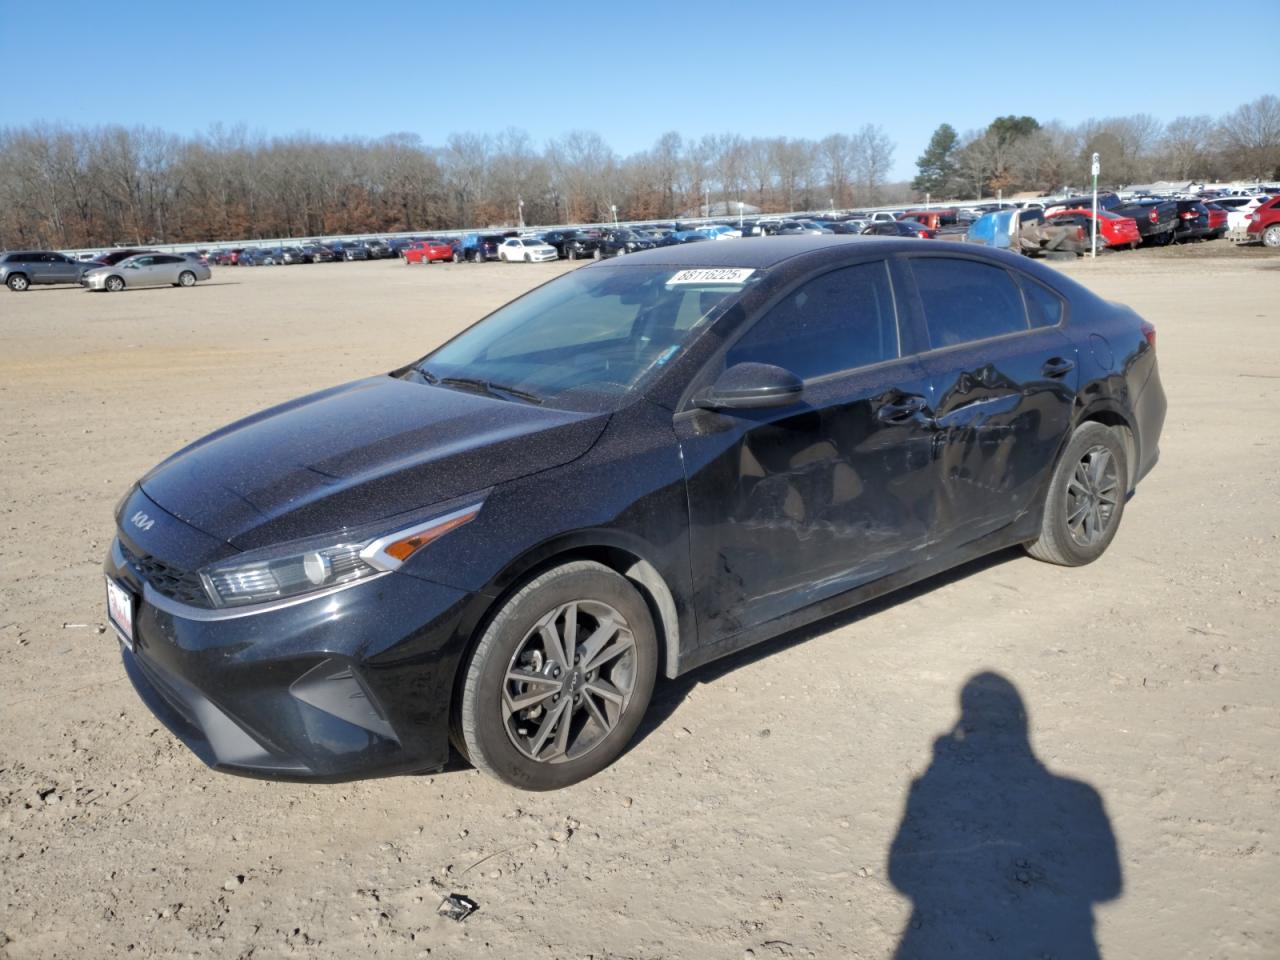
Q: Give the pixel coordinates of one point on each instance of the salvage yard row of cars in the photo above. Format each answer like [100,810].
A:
[1060,227]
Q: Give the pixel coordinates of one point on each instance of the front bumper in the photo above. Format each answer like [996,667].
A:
[345,685]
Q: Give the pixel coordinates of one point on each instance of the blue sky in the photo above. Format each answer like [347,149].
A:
[630,71]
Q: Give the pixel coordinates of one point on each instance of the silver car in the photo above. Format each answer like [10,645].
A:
[18,271]
[148,270]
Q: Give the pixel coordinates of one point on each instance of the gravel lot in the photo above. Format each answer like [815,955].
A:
[756,815]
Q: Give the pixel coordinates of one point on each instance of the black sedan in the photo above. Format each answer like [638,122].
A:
[630,471]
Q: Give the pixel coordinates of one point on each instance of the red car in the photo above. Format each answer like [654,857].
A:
[1264,223]
[428,251]
[1116,230]
[1217,221]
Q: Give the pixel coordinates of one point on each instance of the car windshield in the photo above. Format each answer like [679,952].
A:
[585,340]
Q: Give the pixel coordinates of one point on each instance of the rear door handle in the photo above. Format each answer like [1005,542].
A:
[902,409]
[1057,367]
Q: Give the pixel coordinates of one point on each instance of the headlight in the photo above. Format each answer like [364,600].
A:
[323,563]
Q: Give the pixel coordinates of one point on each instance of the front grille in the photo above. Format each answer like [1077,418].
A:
[173,582]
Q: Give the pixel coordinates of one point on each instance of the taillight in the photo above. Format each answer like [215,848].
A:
[1154,216]
[1149,332]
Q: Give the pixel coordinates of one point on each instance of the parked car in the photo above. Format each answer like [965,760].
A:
[619,242]
[477,247]
[508,540]
[1155,219]
[378,250]
[1217,221]
[527,250]
[22,269]
[1027,232]
[319,253]
[572,244]
[147,270]
[112,257]
[428,251]
[898,228]
[1238,209]
[1264,224]
[1193,221]
[292,255]
[1113,229]
[352,250]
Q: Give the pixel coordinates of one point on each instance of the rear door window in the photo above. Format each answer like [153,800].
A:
[965,300]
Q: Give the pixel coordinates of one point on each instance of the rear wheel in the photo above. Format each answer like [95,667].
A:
[17,282]
[560,680]
[1086,498]
[186,278]
[457,257]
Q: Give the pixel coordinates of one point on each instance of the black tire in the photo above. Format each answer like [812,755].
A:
[1057,542]
[528,258]
[457,257]
[18,282]
[186,279]
[114,284]
[1271,236]
[571,254]
[480,726]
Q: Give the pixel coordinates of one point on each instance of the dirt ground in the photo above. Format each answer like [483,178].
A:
[756,814]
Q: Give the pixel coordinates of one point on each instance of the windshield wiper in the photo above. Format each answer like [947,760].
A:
[486,387]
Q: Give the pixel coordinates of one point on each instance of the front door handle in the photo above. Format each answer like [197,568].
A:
[902,409]
[1057,367]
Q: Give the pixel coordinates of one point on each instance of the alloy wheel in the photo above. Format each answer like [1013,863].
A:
[569,682]
[1092,494]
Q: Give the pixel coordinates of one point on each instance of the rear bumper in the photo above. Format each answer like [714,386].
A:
[348,685]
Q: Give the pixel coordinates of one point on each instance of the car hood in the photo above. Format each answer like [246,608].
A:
[356,454]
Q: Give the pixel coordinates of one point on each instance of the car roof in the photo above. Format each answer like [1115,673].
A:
[759,252]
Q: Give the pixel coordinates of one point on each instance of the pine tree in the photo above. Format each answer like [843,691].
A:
[937,164]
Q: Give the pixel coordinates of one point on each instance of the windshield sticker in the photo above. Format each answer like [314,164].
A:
[711,275]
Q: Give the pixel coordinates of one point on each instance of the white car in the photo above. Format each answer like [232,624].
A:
[526,249]
[881,216]
[719,231]
[1239,208]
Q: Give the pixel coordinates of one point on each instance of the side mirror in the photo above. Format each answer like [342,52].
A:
[751,386]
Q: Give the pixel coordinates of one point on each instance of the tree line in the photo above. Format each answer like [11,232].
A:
[67,187]
[1017,153]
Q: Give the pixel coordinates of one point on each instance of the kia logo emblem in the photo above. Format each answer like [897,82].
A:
[142,521]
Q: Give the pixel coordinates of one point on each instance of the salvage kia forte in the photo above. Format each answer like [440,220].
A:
[630,471]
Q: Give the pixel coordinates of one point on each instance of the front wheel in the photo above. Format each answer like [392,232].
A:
[1086,498]
[114,284]
[560,680]
[186,279]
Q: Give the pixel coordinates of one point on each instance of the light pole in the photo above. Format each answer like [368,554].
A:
[520,204]
[831,202]
[741,207]
[614,208]
[1095,168]
[706,210]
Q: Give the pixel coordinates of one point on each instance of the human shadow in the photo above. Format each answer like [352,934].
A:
[1000,857]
